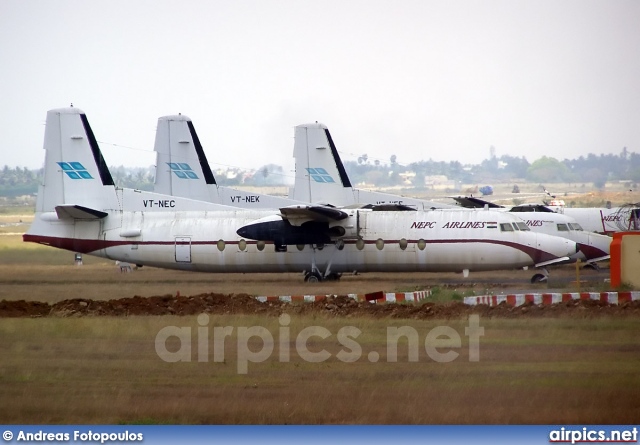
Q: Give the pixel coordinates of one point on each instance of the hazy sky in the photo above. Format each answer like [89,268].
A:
[420,79]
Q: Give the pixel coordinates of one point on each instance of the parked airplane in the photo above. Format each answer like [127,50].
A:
[189,175]
[182,169]
[593,247]
[177,142]
[321,176]
[315,150]
[602,219]
[79,209]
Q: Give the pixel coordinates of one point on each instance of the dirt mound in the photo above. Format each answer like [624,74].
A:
[340,306]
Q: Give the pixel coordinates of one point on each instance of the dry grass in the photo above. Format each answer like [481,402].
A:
[105,370]
[101,280]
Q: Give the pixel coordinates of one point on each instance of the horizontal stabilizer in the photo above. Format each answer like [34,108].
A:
[553,261]
[78,212]
[314,213]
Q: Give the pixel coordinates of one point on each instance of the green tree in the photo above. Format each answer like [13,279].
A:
[547,169]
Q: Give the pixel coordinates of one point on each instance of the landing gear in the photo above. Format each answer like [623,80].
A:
[539,278]
[315,276]
[593,266]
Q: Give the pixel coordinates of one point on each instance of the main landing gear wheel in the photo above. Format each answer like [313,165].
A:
[538,278]
[312,277]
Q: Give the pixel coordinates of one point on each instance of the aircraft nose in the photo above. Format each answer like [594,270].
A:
[563,247]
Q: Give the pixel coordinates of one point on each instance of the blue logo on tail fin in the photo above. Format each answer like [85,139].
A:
[75,170]
[320,175]
[182,170]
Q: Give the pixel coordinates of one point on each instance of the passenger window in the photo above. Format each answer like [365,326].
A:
[506,227]
[403,244]
[242,245]
[300,247]
[422,244]
[220,245]
[260,245]
[360,244]
[562,228]
[380,243]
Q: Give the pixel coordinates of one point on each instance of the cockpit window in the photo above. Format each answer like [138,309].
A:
[523,226]
[515,226]
[563,228]
[506,227]
[575,226]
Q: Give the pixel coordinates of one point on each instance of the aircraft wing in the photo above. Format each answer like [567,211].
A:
[70,211]
[602,258]
[475,203]
[298,214]
[390,208]
[553,261]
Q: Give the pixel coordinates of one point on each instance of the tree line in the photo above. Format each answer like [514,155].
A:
[590,169]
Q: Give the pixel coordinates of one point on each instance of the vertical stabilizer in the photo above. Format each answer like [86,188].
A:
[182,170]
[75,172]
[320,174]
[181,165]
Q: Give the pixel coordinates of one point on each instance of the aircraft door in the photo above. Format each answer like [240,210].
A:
[183,249]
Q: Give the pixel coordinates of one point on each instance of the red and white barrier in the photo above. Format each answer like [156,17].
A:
[551,298]
[491,300]
[380,297]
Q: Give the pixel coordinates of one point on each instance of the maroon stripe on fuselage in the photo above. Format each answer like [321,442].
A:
[89,245]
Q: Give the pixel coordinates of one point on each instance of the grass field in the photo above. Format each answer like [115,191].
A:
[106,370]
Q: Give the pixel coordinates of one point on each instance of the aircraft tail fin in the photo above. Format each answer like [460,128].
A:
[181,164]
[75,173]
[320,173]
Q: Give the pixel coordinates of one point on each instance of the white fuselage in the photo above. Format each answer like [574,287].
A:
[603,220]
[432,241]
[592,246]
